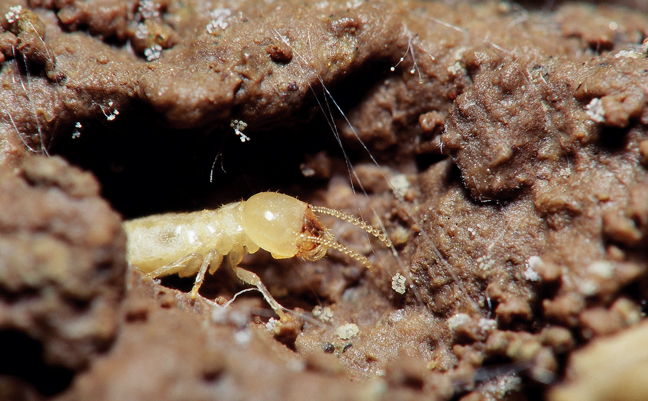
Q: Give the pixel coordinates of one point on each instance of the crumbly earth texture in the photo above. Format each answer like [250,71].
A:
[503,147]
[62,272]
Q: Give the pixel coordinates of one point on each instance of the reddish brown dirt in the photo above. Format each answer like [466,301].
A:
[61,272]
[514,137]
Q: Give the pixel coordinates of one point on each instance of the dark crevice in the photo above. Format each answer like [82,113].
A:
[22,357]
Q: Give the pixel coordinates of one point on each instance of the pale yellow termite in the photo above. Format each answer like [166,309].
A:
[190,243]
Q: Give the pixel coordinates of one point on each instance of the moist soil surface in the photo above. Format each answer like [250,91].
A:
[502,146]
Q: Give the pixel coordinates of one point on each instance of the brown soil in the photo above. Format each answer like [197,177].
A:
[503,147]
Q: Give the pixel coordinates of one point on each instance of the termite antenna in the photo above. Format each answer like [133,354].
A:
[355,221]
[338,247]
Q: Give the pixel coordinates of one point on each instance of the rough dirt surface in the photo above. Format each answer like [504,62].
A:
[503,146]
[62,271]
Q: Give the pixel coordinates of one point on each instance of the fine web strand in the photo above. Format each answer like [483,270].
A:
[439,257]
[27,88]
[28,92]
[330,120]
[328,115]
[330,104]
[415,67]
[20,135]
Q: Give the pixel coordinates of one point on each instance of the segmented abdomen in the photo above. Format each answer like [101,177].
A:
[157,240]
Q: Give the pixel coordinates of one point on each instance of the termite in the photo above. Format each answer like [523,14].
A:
[190,243]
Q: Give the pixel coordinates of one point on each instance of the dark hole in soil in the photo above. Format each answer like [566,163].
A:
[21,356]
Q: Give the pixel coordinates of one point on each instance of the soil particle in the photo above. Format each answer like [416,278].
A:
[558,338]
[103,18]
[564,309]
[599,321]
[601,27]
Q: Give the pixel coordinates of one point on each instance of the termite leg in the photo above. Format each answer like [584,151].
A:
[213,258]
[252,279]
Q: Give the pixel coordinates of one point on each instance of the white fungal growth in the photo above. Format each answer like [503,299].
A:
[415,68]
[595,110]
[306,170]
[13,14]
[487,325]
[218,19]
[272,324]
[107,111]
[147,9]
[485,263]
[530,273]
[142,31]
[283,38]
[397,315]
[628,54]
[347,331]
[400,184]
[398,283]
[587,287]
[324,314]
[455,69]
[77,130]
[601,268]
[239,126]
[354,4]
[153,53]
[457,320]
[496,389]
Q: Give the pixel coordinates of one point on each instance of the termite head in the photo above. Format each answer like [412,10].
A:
[276,223]
[312,229]
[287,227]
